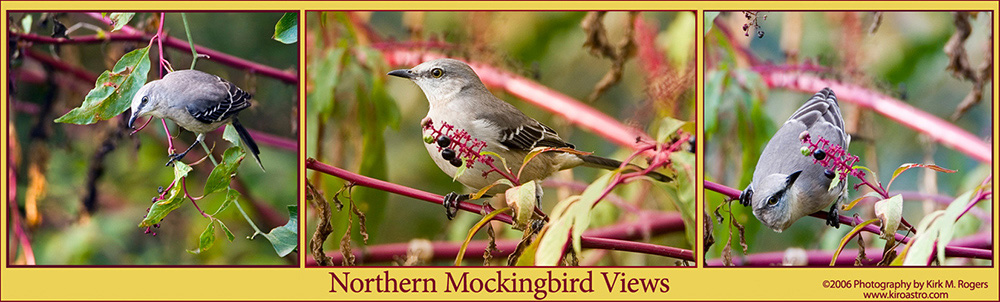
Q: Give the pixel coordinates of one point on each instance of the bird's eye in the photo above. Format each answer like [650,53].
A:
[437,72]
[772,200]
[145,99]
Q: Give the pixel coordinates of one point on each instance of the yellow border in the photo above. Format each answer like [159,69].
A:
[315,283]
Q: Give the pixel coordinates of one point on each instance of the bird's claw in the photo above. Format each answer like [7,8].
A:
[451,204]
[174,157]
[833,218]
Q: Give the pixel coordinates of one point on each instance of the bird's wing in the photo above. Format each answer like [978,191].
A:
[222,100]
[518,131]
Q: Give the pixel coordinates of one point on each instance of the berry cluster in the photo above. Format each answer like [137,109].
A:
[831,156]
[456,145]
[752,22]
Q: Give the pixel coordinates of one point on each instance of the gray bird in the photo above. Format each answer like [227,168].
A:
[787,185]
[196,101]
[458,97]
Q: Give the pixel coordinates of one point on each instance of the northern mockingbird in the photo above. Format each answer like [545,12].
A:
[787,185]
[196,101]
[458,97]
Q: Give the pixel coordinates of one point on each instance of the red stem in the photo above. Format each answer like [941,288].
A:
[939,130]
[572,110]
[469,207]
[950,250]
[14,212]
[131,34]
[657,223]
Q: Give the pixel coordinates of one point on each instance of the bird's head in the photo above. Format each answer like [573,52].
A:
[773,200]
[441,79]
[147,101]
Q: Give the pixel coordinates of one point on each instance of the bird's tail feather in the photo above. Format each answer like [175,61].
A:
[248,141]
[611,164]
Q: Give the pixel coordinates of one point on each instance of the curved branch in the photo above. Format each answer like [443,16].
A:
[936,128]
[951,250]
[846,258]
[130,34]
[570,109]
[474,208]
[442,250]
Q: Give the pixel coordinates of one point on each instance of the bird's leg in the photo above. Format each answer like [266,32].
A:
[451,203]
[176,157]
[833,218]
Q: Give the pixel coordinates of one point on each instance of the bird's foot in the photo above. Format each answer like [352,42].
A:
[175,157]
[451,203]
[746,196]
[833,218]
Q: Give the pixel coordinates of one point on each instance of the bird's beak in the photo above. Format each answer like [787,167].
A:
[791,178]
[131,120]
[402,73]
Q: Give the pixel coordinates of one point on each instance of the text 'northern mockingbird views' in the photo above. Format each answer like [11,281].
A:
[196,101]
[457,97]
[787,185]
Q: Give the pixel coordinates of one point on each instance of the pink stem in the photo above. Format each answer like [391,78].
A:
[572,110]
[847,256]
[946,133]
[657,223]
[469,207]
[951,251]
[14,213]
[214,55]
[159,43]
[170,138]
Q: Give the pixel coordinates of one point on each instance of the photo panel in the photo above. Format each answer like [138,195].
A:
[848,138]
[112,116]
[486,110]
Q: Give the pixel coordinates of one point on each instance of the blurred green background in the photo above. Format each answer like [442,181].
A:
[904,57]
[362,120]
[61,229]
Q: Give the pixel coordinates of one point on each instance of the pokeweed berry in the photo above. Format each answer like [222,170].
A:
[448,154]
[457,162]
[819,155]
[443,141]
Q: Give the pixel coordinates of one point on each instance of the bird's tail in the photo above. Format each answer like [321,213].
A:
[611,164]
[248,141]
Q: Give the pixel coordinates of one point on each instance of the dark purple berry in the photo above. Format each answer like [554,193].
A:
[444,141]
[747,34]
[457,162]
[760,34]
[448,154]
[746,26]
[828,173]
[819,155]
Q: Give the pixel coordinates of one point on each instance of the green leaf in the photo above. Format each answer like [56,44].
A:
[481,192]
[522,199]
[26,23]
[668,126]
[230,198]
[846,239]
[922,245]
[504,160]
[835,182]
[553,239]
[119,20]
[905,167]
[223,173]
[207,238]
[174,200]
[870,172]
[230,135]
[229,234]
[710,20]
[461,170]
[486,219]
[848,207]
[287,29]
[285,239]
[889,211]
[570,219]
[326,77]
[113,92]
